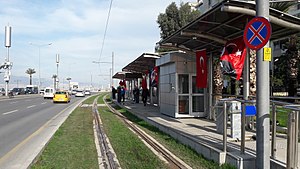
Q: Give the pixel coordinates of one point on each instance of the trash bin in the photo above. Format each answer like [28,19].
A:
[233,116]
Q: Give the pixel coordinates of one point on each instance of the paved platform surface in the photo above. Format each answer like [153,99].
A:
[204,131]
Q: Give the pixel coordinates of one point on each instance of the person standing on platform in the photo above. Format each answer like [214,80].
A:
[119,94]
[145,94]
[123,94]
[136,93]
[113,91]
[145,91]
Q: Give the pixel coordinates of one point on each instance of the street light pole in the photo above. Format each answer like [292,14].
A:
[57,63]
[39,46]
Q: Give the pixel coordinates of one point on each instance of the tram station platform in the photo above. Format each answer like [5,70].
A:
[201,135]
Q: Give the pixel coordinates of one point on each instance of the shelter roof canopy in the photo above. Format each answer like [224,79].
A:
[226,21]
[144,62]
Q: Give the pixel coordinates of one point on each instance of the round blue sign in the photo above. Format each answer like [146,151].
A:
[257,33]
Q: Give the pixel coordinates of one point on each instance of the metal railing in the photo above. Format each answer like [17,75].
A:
[292,136]
[292,126]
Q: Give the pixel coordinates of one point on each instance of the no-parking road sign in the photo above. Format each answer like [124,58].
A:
[257,33]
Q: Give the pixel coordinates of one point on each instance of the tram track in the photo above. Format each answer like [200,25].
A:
[107,158]
[173,161]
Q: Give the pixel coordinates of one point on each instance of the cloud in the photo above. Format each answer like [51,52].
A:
[76,29]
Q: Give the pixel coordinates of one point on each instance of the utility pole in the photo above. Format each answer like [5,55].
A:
[112,69]
[263,98]
[39,71]
[7,63]
[111,72]
[57,63]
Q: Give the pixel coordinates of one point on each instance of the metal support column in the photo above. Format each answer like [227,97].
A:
[211,114]
[290,162]
[225,126]
[273,143]
[263,99]
[243,129]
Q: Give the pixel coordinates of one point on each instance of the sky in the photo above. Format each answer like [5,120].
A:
[76,29]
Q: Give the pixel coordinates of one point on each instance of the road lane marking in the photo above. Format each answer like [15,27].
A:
[37,132]
[10,112]
[31,106]
[44,103]
[13,102]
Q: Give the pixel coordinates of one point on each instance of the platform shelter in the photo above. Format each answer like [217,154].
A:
[210,31]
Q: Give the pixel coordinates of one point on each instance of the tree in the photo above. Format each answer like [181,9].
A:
[287,68]
[30,71]
[283,6]
[174,18]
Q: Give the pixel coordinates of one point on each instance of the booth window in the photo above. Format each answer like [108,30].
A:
[183,84]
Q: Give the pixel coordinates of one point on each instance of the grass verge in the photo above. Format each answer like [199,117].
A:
[131,151]
[72,146]
[185,153]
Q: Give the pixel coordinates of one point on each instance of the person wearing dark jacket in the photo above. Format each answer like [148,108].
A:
[145,94]
[136,93]
[113,91]
[119,94]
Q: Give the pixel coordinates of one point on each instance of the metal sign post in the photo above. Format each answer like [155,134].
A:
[263,99]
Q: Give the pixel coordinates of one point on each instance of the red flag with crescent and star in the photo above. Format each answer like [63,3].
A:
[201,65]
[233,57]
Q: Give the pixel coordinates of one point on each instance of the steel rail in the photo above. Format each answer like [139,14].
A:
[173,161]
[107,156]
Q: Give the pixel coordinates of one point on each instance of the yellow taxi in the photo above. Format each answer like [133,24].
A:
[61,96]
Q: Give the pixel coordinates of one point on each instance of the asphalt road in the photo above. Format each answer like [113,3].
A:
[26,118]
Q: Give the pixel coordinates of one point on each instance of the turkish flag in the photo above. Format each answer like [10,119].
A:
[233,57]
[201,65]
[154,76]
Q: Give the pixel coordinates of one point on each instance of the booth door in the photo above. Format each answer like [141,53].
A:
[197,99]
[183,94]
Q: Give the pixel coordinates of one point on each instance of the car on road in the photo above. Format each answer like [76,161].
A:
[2,91]
[87,92]
[42,92]
[49,93]
[80,93]
[61,96]
[18,91]
[73,92]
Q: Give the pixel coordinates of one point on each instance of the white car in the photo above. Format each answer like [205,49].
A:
[87,92]
[73,92]
[49,93]
[80,93]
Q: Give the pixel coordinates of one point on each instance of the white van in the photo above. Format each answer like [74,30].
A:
[49,93]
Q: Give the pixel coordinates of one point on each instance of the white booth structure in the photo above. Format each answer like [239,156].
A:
[178,95]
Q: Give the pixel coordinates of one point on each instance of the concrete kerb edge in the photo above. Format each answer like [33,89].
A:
[45,145]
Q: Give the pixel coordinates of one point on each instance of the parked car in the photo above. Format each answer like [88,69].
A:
[61,96]
[80,93]
[49,93]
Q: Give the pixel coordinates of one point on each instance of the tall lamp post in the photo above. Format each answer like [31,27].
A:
[39,46]
[57,63]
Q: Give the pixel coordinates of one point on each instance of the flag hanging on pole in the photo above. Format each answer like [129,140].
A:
[233,57]
[201,65]
[154,77]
